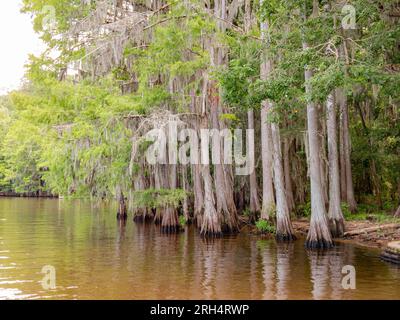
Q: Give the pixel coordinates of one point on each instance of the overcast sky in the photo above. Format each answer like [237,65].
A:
[17,40]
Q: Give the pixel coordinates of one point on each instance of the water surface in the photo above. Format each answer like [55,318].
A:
[95,257]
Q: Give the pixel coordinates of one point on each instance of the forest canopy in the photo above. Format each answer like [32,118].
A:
[317,81]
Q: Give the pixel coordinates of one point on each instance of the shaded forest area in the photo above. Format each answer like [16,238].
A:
[317,81]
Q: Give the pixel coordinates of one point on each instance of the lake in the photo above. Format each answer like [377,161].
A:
[96,257]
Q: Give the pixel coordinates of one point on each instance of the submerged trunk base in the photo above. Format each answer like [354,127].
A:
[230,230]
[318,244]
[284,237]
[122,216]
[211,234]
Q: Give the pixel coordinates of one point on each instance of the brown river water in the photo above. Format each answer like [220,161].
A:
[94,257]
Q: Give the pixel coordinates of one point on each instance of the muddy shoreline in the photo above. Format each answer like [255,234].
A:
[377,239]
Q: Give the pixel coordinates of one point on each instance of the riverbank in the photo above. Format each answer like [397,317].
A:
[366,233]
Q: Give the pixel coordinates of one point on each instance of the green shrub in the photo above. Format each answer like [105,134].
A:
[304,210]
[265,226]
[182,221]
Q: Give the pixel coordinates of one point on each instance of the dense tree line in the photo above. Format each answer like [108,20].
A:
[317,81]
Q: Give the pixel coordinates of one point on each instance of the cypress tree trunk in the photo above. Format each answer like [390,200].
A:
[122,213]
[185,187]
[319,235]
[211,222]
[226,207]
[346,153]
[343,193]
[288,178]
[284,229]
[335,215]
[254,201]
[170,219]
[196,168]
[268,201]
[323,159]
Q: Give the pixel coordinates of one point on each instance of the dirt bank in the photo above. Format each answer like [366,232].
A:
[365,233]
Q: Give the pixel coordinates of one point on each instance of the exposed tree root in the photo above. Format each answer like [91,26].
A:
[226,229]
[158,216]
[170,221]
[336,227]
[211,234]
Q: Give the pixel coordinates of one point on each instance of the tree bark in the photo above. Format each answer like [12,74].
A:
[211,222]
[343,193]
[323,159]
[319,235]
[122,213]
[196,168]
[346,152]
[268,201]
[254,201]
[288,178]
[284,229]
[223,175]
[335,215]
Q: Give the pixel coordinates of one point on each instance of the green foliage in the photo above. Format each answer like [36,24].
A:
[265,226]
[159,198]
[182,221]
[304,210]
[72,138]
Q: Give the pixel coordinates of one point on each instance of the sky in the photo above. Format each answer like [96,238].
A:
[17,41]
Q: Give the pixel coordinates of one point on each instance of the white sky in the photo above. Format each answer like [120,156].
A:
[17,40]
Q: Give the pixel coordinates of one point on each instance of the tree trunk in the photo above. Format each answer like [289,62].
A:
[268,201]
[288,178]
[211,222]
[122,213]
[284,229]
[335,215]
[196,168]
[254,201]
[343,195]
[347,149]
[323,160]
[319,235]
[222,172]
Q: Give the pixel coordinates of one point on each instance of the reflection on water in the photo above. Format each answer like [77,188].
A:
[97,257]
